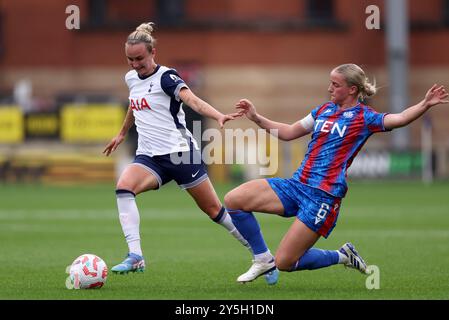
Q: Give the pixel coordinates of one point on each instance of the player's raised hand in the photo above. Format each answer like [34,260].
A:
[111,146]
[436,95]
[227,117]
[247,107]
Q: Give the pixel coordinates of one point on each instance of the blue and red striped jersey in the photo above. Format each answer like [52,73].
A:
[337,137]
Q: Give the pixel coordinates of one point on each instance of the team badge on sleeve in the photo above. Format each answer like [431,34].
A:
[175,78]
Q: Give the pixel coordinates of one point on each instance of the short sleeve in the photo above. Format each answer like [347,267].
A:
[374,120]
[128,77]
[315,112]
[172,83]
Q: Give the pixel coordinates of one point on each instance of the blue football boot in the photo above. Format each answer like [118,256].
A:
[132,263]
[272,277]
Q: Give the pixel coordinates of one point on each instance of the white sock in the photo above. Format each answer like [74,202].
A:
[264,256]
[226,221]
[130,220]
[342,258]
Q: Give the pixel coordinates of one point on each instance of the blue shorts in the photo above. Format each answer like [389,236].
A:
[186,168]
[317,209]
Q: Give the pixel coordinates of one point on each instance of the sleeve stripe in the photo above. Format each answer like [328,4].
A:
[178,89]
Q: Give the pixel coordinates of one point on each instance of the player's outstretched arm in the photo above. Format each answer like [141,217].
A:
[284,131]
[115,142]
[205,109]
[434,96]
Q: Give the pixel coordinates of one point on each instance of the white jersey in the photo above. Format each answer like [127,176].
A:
[157,109]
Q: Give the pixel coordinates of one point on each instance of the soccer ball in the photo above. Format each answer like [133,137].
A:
[88,271]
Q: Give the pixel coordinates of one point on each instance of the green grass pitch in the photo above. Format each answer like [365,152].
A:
[401,227]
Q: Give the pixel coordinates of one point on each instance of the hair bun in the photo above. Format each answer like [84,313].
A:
[369,88]
[146,28]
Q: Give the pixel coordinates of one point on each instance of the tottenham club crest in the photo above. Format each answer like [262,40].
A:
[151,87]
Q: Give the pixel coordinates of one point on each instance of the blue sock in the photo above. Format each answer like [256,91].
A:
[249,228]
[315,259]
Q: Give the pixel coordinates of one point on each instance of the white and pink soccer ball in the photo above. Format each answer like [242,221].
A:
[88,271]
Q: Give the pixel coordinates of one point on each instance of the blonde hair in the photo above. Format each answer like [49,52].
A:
[355,76]
[142,34]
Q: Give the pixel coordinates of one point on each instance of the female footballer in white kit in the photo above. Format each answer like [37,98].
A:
[156,94]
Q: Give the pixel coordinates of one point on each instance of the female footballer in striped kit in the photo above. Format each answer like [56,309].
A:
[313,194]
[166,149]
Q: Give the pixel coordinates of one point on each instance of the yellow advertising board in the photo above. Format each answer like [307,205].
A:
[42,125]
[11,124]
[90,123]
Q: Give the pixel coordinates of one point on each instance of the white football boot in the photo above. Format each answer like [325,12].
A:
[355,261]
[259,268]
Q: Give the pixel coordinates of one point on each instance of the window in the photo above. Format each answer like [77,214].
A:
[97,13]
[119,14]
[446,13]
[206,14]
[320,11]
[170,12]
[2,48]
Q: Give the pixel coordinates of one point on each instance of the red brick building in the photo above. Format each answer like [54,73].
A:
[277,53]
